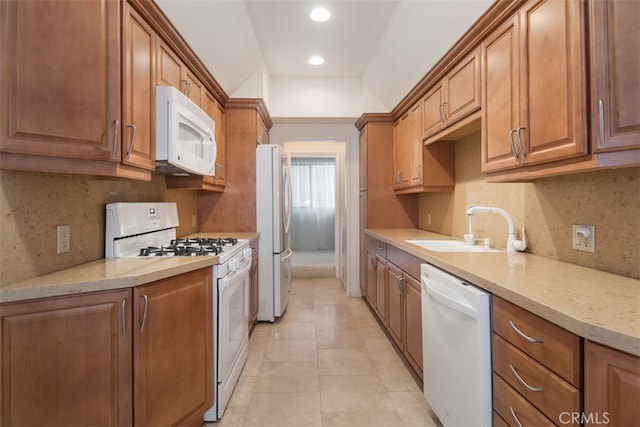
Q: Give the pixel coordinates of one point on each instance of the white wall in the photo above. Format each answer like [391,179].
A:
[347,133]
[256,86]
[315,97]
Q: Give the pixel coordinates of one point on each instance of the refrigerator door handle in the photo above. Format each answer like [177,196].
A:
[288,201]
[288,253]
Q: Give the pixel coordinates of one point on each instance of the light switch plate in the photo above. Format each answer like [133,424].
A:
[586,244]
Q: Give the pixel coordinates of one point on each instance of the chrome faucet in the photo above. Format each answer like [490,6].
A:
[512,243]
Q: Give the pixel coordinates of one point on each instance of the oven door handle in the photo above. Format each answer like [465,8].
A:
[225,281]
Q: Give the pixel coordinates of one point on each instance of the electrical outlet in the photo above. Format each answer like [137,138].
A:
[63,233]
[428,219]
[584,238]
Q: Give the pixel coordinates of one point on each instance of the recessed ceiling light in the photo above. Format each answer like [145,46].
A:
[320,14]
[316,60]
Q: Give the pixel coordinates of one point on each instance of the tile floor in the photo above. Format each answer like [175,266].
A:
[313,264]
[326,362]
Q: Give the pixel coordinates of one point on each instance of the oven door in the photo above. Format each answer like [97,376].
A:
[233,330]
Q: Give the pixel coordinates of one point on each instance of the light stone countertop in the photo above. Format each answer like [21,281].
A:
[596,305]
[110,274]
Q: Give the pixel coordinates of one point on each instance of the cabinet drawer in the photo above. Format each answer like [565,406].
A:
[549,344]
[513,408]
[377,246]
[498,421]
[407,262]
[552,394]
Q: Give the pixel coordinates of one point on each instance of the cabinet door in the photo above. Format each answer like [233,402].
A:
[60,78]
[462,89]
[173,342]
[432,114]
[363,159]
[615,74]
[221,145]
[262,131]
[215,111]
[553,81]
[371,278]
[413,323]
[402,151]
[195,89]
[612,386]
[500,97]
[381,288]
[169,68]
[67,361]
[395,282]
[138,131]
[415,170]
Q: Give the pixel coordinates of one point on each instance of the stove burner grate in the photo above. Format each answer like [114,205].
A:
[181,250]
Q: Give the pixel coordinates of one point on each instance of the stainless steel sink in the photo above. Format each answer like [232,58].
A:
[450,246]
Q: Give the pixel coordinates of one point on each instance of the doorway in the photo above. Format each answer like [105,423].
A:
[318,208]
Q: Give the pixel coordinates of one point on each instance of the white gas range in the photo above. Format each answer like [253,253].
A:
[143,230]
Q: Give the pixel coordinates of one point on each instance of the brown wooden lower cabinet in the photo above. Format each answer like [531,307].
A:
[395,325]
[513,408]
[612,386]
[413,323]
[380,269]
[173,350]
[396,300]
[68,360]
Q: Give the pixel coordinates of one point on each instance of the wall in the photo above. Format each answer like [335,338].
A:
[607,199]
[315,97]
[32,204]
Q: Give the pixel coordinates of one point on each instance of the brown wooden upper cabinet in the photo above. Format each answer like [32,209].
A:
[452,98]
[138,127]
[615,74]
[173,72]
[262,131]
[216,112]
[61,95]
[418,168]
[534,86]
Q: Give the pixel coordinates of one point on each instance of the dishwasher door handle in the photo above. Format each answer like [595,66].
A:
[448,301]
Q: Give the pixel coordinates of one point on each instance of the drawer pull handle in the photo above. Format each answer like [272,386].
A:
[523,382]
[515,417]
[525,336]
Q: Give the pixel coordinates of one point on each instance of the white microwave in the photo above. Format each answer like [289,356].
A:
[185,135]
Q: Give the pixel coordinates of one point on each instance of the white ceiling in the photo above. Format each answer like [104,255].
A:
[389,45]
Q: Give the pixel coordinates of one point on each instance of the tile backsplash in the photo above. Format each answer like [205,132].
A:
[33,204]
[547,208]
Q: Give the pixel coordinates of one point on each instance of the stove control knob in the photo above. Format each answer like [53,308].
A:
[247,253]
[234,264]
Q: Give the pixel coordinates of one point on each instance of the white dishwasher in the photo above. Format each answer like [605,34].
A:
[456,348]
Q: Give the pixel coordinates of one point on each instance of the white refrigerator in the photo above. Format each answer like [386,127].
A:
[273,205]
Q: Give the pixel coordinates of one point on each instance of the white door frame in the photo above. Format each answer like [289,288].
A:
[335,150]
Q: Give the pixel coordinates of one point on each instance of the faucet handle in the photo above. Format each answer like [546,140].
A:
[520,245]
